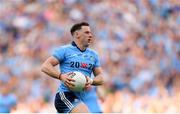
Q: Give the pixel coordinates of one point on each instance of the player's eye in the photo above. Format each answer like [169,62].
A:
[87,32]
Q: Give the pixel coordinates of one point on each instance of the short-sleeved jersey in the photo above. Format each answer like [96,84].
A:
[71,58]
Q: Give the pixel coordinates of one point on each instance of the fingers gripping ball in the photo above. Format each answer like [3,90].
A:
[80,81]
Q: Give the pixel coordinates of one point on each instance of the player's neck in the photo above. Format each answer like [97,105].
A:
[80,46]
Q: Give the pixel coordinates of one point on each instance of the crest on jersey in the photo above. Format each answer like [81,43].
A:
[92,58]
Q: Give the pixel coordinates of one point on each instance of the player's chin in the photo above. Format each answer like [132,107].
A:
[87,44]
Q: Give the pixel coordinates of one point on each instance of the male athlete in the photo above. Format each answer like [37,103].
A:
[76,57]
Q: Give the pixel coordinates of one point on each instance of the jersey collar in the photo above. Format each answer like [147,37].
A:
[74,44]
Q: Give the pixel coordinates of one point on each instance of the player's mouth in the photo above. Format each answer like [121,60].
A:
[89,40]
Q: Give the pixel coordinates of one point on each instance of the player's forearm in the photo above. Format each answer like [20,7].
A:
[98,80]
[50,70]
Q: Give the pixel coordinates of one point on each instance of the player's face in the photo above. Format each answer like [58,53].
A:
[85,36]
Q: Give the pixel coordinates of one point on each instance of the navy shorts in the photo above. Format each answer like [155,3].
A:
[65,102]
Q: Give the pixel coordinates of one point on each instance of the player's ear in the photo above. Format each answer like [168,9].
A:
[76,34]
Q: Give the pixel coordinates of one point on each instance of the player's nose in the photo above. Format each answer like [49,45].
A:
[90,36]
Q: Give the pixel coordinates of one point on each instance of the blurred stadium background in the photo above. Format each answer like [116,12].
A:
[138,42]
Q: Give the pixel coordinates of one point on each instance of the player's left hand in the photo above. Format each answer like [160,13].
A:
[89,82]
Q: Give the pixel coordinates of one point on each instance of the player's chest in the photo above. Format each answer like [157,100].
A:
[80,60]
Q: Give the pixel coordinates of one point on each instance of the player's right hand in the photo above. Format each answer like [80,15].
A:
[67,80]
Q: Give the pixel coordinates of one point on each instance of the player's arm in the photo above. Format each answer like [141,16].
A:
[49,69]
[98,73]
[98,79]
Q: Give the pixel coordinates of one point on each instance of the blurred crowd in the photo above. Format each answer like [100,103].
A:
[138,42]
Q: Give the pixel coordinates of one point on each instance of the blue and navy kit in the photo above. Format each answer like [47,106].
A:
[71,58]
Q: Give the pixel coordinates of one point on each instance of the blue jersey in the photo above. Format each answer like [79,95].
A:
[71,58]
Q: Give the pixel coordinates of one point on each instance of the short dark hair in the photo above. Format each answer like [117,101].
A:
[78,26]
